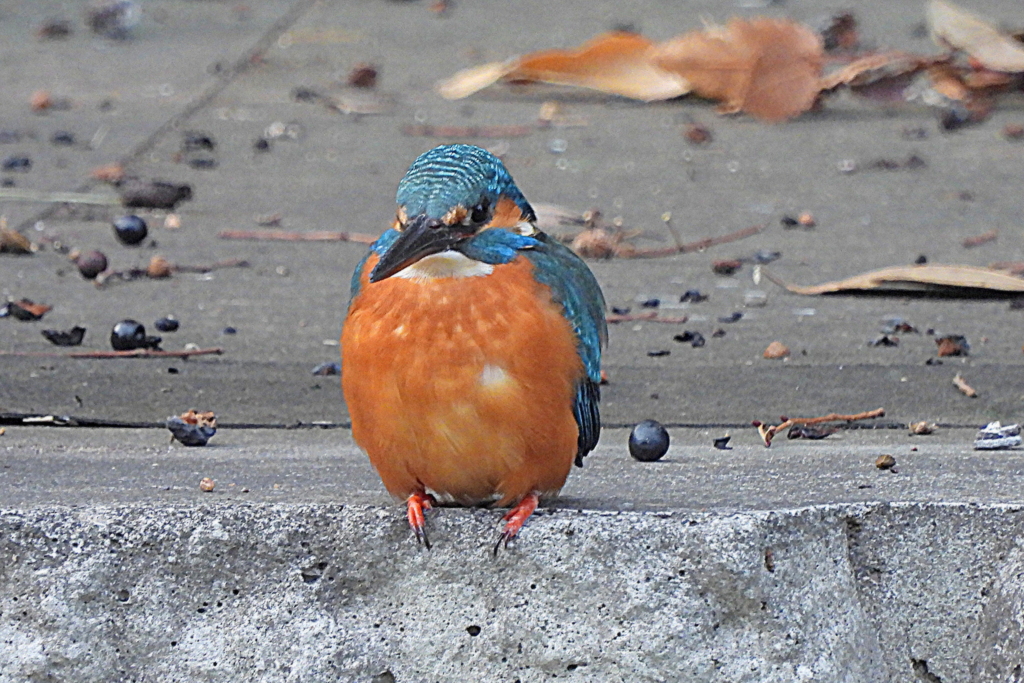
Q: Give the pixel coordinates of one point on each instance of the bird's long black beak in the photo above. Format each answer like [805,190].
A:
[422,237]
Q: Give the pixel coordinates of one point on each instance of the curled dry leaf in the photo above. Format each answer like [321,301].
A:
[931,278]
[957,28]
[880,76]
[768,68]
[24,310]
[885,462]
[617,62]
[13,242]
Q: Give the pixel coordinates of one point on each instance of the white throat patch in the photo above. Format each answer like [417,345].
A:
[445,264]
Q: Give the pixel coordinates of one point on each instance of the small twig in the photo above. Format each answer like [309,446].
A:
[768,432]
[650,317]
[467,131]
[26,195]
[978,240]
[216,265]
[667,217]
[137,353]
[960,383]
[699,245]
[290,236]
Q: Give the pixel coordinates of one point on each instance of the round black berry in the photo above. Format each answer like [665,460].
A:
[91,263]
[648,441]
[130,334]
[130,229]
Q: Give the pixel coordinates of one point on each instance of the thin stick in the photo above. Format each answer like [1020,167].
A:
[137,353]
[467,131]
[290,236]
[651,317]
[699,245]
[960,383]
[226,263]
[768,432]
[26,195]
[978,240]
[667,217]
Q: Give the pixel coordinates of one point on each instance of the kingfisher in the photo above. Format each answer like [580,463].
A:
[471,353]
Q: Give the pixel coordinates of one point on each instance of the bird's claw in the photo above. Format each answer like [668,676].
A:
[416,505]
[515,519]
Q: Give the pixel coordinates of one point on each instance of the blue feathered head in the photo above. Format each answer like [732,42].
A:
[457,175]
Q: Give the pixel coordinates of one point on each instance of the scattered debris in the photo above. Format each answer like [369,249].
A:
[288,236]
[726,266]
[167,324]
[484,132]
[72,337]
[54,29]
[694,339]
[129,335]
[24,310]
[897,325]
[698,134]
[159,268]
[978,240]
[950,280]
[722,443]
[885,340]
[923,427]
[953,345]
[137,353]
[113,19]
[327,368]
[151,194]
[363,76]
[13,242]
[659,353]
[960,383]
[193,428]
[885,462]
[996,437]
[206,485]
[953,27]
[776,350]
[648,316]
[648,441]
[813,433]
[767,432]
[692,296]
[733,317]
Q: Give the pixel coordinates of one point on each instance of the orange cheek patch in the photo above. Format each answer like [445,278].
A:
[506,214]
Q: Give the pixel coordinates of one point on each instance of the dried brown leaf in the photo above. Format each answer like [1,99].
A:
[619,63]
[768,68]
[955,27]
[881,71]
[938,279]
[13,242]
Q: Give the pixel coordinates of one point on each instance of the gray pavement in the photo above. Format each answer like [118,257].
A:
[876,576]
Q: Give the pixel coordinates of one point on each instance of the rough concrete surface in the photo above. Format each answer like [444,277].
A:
[798,563]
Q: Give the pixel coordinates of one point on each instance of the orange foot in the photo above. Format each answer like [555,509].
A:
[516,518]
[416,504]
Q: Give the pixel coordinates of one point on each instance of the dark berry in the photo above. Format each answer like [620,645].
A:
[91,263]
[130,229]
[63,137]
[648,441]
[166,325]
[229,330]
[16,163]
[130,334]
[261,145]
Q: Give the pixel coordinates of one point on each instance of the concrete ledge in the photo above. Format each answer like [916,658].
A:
[270,592]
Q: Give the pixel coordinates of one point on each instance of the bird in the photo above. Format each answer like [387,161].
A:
[471,350]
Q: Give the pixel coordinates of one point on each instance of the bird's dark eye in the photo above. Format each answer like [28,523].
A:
[479,213]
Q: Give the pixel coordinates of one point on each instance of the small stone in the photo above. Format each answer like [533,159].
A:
[885,462]
[207,484]
[923,427]
[91,263]
[776,350]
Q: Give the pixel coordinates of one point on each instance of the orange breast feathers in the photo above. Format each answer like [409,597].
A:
[462,386]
